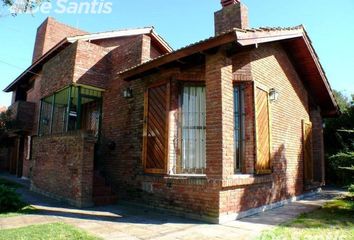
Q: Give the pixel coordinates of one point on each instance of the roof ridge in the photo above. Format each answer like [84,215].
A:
[118,30]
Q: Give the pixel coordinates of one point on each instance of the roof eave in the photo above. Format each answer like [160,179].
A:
[173,56]
[37,63]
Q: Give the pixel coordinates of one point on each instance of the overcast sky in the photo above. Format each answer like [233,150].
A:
[330,25]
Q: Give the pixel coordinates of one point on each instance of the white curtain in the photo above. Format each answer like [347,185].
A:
[193,129]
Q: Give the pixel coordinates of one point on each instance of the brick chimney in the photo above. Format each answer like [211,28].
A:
[49,33]
[233,14]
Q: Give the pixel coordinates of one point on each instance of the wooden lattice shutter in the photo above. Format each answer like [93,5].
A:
[307,149]
[263,161]
[156,128]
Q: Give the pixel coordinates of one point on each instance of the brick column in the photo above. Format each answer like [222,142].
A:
[219,116]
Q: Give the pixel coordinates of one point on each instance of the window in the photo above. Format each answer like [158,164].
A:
[239,122]
[73,108]
[193,129]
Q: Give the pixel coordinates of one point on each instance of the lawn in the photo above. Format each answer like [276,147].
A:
[53,231]
[25,210]
[335,220]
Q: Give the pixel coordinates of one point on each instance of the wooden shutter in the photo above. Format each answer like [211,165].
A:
[263,164]
[307,149]
[155,144]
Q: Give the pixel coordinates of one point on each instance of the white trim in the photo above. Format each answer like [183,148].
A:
[121,33]
[112,34]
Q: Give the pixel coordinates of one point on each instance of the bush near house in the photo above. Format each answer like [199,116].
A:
[10,201]
[341,168]
[339,143]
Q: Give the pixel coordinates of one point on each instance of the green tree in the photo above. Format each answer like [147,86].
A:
[7,123]
[339,132]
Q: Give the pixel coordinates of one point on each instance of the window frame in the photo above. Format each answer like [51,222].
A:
[97,96]
[242,122]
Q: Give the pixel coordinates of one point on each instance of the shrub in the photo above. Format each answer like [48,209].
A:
[9,184]
[9,200]
[351,189]
[340,168]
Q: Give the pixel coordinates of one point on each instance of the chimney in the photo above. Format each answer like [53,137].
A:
[233,14]
[50,33]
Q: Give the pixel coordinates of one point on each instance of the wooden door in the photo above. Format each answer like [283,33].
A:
[156,128]
[307,151]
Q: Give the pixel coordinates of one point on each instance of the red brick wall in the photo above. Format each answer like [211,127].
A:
[63,167]
[58,72]
[230,17]
[271,67]
[219,116]
[50,33]
[34,96]
[91,65]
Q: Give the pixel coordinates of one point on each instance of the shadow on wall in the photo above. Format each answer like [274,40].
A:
[286,183]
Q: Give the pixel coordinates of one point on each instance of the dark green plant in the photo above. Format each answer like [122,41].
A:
[339,132]
[10,201]
[351,189]
[339,168]
[7,123]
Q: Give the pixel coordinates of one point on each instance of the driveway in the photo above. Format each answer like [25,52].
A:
[124,221]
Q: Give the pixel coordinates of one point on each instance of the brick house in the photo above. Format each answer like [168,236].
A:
[217,130]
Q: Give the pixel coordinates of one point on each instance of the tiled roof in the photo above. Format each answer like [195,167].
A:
[249,30]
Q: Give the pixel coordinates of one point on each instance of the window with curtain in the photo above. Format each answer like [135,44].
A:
[193,128]
[239,133]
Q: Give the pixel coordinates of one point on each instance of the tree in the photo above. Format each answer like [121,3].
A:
[7,123]
[22,5]
[339,132]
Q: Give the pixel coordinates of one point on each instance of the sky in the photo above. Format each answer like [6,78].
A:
[330,25]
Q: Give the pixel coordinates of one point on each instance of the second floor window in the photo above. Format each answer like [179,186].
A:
[73,108]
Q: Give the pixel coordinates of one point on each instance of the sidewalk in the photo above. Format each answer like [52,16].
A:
[126,222]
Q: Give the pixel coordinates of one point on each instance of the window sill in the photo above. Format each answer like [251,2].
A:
[246,179]
[179,179]
[186,176]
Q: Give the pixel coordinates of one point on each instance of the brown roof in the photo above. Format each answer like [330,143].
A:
[294,39]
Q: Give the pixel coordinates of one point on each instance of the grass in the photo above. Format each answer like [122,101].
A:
[23,211]
[53,231]
[10,184]
[335,220]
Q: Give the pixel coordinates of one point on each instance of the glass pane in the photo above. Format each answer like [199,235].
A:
[238,127]
[73,114]
[60,111]
[66,111]
[45,118]
[90,115]
[193,129]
